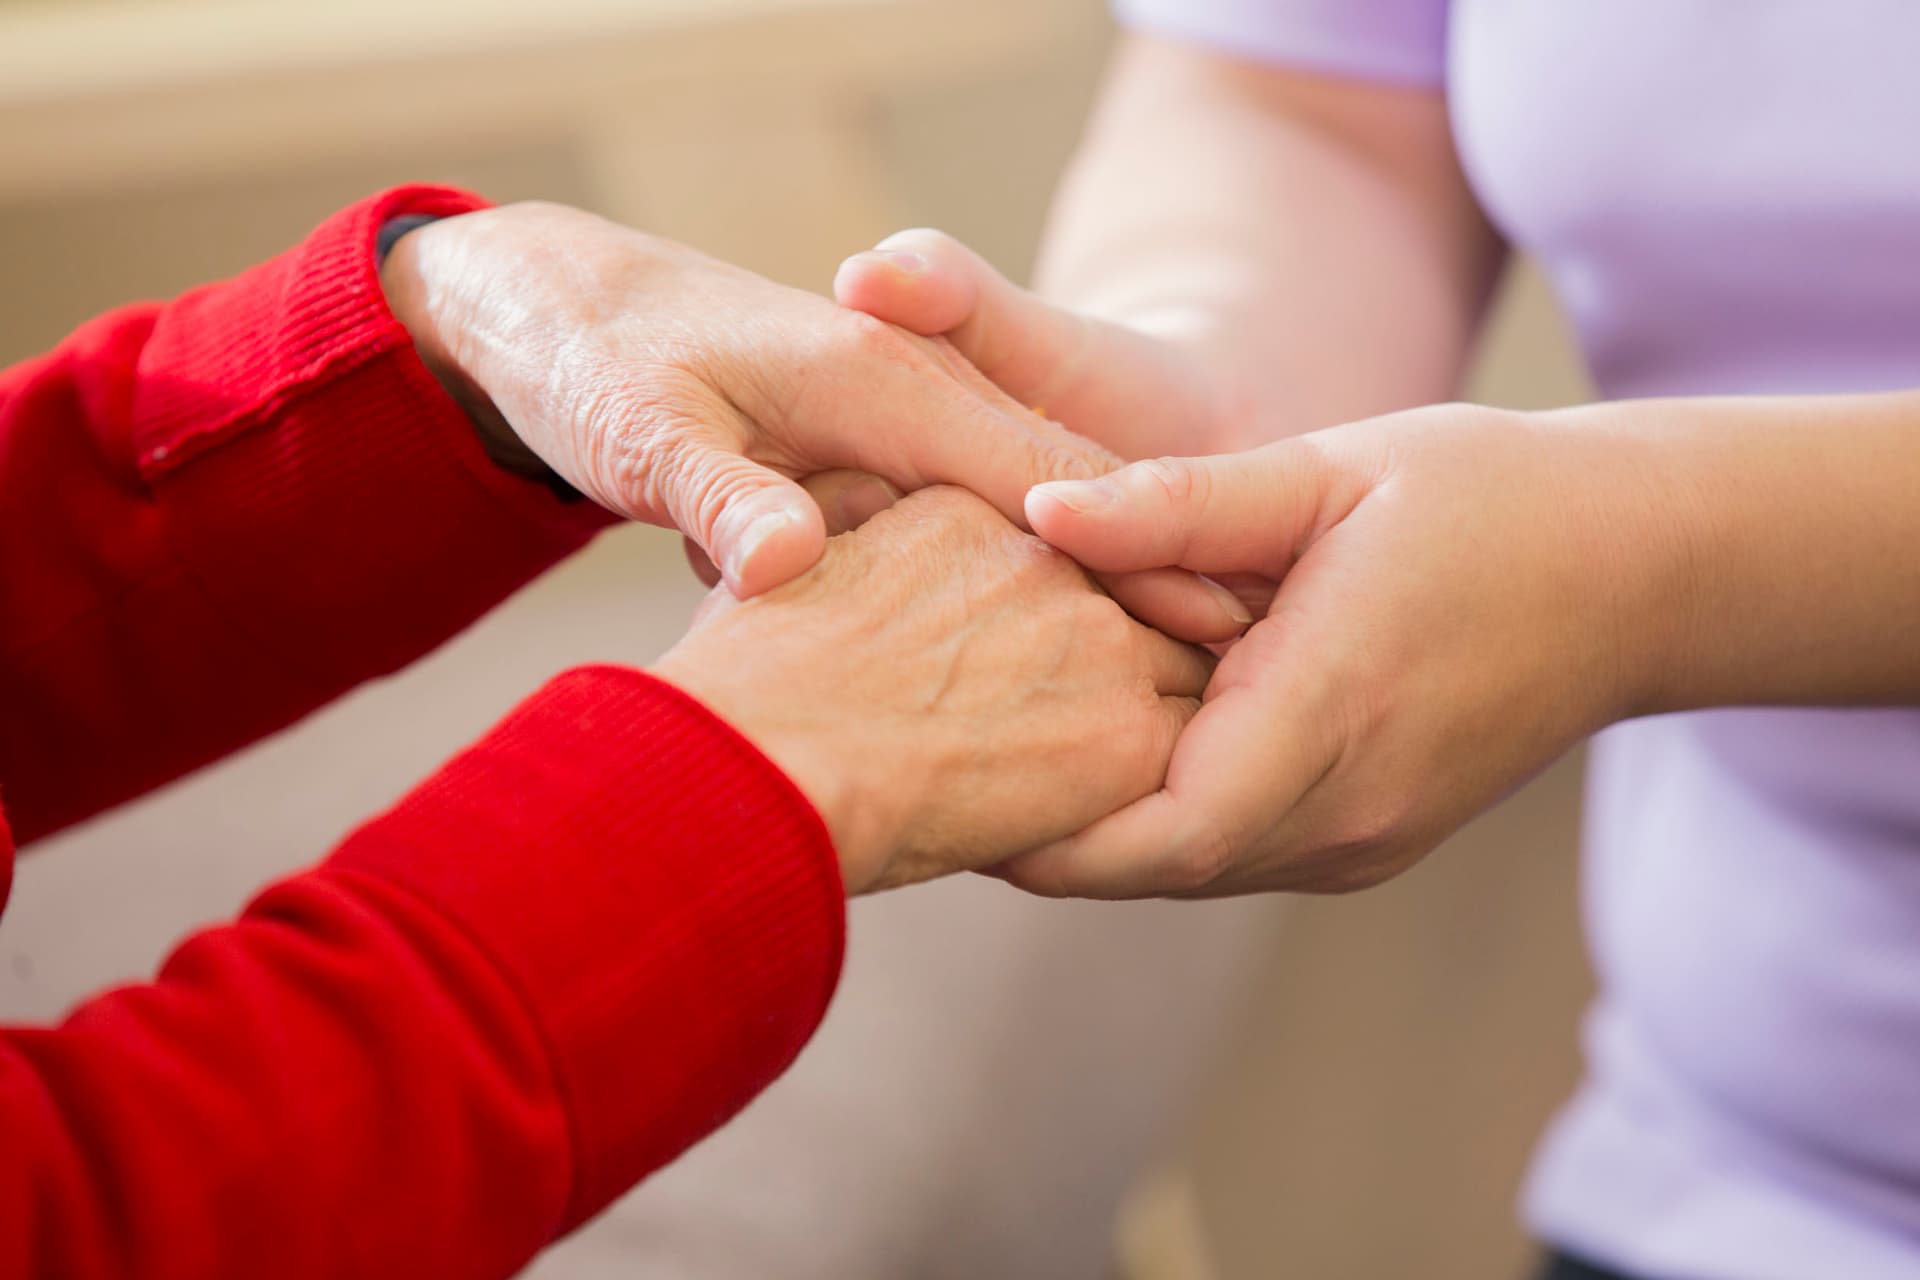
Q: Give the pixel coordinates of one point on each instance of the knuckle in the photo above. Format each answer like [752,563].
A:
[947,513]
[612,443]
[627,434]
[1153,742]
[1041,881]
[714,487]
[1181,710]
[1057,457]
[1024,558]
[1100,627]
[1180,481]
[692,484]
[1366,836]
[1199,860]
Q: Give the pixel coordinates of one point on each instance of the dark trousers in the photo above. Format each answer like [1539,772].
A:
[1563,1267]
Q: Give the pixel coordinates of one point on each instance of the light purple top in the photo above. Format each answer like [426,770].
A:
[1726,195]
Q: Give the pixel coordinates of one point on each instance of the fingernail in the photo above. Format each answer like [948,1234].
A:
[902,260]
[1234,607]
[1084,496]
[758,530]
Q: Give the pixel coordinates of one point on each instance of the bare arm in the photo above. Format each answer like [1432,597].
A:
[1239,252]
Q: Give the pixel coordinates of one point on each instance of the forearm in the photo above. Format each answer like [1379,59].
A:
[1311,241]
[584,943]
[1784,538]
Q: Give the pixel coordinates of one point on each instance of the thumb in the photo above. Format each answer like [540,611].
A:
[760,528]
[1234,513]
[1107,381]
[930,283]
[847,500]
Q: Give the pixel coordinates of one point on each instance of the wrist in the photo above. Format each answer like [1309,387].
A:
[419,309]
[1651,558]
[1784,572]
[845,791]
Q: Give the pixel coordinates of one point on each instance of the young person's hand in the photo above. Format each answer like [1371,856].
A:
[1464,594]
[1133,388]
[948,690]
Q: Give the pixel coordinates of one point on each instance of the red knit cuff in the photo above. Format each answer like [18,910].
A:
[225,356]
[312,473]
[664,899]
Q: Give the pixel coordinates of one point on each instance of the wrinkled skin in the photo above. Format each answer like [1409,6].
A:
[675,389]
[948,690]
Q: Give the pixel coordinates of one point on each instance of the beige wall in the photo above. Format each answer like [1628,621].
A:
[1402,1046]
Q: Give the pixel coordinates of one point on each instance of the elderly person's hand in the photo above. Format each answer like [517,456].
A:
[947,690]
[675,389]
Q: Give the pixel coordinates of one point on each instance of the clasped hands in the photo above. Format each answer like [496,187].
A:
[982,674]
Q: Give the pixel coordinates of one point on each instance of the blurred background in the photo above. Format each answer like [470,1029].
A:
[1009,1088]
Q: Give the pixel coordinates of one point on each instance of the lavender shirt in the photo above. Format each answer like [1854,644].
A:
[1726,195]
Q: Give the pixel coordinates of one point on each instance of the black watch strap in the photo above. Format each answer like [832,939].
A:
[487,419]
[393,229]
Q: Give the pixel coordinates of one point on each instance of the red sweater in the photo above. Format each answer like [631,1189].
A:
[584,943]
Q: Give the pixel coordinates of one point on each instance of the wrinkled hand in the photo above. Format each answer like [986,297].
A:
[948,690]
[1464,594]
[678,390]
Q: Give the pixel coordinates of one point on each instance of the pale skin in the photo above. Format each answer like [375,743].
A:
[948,690]
[1462,592]
[678,390]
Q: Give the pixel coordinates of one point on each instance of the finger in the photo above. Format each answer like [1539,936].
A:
[873,397]
[1184,605]
[701,565]
[1181,604]
[848,499]
[1179,670]
[759,527]
[1255,591]
[902,284]
[1239,512]
[929,282]
[1099,378]
[973,437]
[1254,749]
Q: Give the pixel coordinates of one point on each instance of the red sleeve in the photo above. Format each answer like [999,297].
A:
[579,947]
[218,513]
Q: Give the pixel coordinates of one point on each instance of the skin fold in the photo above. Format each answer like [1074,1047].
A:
[682,391]
[948,690]
[1449,596]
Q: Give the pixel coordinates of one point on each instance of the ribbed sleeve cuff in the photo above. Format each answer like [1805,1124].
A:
[664,899]
[311,472]
[225,356]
